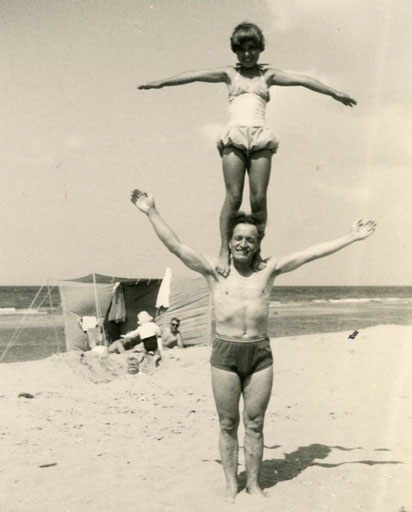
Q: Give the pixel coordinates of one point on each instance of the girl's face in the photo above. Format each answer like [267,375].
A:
[248,55]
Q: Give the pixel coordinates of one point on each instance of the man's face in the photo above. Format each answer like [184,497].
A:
[244,242]
[174,325]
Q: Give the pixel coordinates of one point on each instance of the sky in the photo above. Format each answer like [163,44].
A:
[77,136]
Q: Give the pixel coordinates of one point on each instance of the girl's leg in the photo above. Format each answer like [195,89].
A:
[259,174]
[234,167]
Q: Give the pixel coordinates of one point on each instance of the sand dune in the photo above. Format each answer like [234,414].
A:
[94,438]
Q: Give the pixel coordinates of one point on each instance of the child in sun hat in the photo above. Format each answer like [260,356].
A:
[147,332]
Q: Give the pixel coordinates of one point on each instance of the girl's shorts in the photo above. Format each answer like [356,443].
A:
[248,139]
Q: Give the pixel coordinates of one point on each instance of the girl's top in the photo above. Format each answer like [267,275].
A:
[247,100]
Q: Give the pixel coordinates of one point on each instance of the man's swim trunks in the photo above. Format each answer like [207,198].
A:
[241,357]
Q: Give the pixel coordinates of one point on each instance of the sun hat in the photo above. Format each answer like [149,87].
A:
[144,317]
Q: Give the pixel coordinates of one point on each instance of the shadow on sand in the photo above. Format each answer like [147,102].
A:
[274,471]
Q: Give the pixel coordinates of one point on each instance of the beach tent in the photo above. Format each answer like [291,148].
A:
[190,301]
[96,295]
[114,301]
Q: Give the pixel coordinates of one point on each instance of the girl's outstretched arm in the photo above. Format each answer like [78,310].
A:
[282,78]
[211,75]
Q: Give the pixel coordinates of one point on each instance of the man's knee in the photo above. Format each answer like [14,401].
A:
[254,426]
[235,199]
[228,425]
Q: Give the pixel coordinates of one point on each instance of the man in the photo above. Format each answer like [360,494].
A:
[171,336]
[241,356]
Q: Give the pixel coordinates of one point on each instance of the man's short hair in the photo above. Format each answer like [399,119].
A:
[175,319]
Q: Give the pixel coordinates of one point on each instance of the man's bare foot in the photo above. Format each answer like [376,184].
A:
[230,493]
[255,490]
[222,265]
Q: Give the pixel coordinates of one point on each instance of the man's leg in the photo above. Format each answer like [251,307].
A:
[226,391]
[256,394]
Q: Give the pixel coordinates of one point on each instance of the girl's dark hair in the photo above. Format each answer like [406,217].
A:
[247,32]
[244,218]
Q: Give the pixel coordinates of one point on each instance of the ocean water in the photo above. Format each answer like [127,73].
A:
[297,310]
[18,300]
[294,310]
[342,294]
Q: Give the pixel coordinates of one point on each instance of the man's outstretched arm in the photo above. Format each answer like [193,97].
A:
[195,261]
[360,231]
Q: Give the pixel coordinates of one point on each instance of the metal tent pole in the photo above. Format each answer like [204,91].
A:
[98,310]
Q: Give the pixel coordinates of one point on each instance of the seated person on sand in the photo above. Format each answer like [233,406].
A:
[122,345]
[118,347]
[241,359]
[171,336]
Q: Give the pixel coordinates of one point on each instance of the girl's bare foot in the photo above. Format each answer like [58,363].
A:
[258,263]
[223,263]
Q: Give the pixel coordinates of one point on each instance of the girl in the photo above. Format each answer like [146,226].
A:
[246,144]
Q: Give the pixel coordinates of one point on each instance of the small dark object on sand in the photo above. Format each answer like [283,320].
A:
[26,395]
[48,465]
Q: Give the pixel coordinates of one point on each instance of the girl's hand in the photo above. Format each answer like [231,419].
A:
[362,229]
[344,98]
[149,85]
[143,201]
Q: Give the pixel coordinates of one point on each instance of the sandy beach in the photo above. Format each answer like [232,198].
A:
[94,438]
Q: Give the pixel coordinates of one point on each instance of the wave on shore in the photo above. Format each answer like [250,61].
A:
[348,300]
[15,311]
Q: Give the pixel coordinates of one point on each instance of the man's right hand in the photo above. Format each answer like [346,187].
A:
[143,201]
